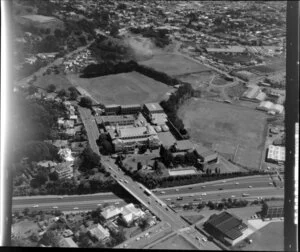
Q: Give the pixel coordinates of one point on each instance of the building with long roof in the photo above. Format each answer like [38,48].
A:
[225,227]
[276,153]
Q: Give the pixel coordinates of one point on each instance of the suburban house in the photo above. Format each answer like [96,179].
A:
[111,212]
[99,233]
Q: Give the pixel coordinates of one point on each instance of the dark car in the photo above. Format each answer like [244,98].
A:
[221,188]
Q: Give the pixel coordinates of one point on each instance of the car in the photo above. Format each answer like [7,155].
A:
[110,168]
[224,181]
[190,188]
[250,186]
[61,197]
[162,192]
[149,202]
[220,188]
[203,194]
[204,239]
[237,183]
[55,207]
[203,186]
[115,175]
[168,199]
[192,195]
[35,206]
[176,190]
[270,183]
[120,180]
[232,196]
[75,208]
[99,204]
[179,198]
[117,203]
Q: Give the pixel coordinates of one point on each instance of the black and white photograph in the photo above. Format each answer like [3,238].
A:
[156,124]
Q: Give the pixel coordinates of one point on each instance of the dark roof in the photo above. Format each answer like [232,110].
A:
[275,203]
[227,224]
[203,151]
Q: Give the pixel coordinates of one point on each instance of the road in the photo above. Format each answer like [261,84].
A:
[260,187]
[90,127]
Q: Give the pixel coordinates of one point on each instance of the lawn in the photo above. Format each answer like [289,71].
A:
[236,91]
[192,219]
[174,242]
[123,88]
[211,122]
[59,80]
[174,65]
[269,238]
[197,79]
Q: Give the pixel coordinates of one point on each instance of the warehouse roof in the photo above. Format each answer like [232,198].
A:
[114,118]
[183,145]
[227,224]
[153,107]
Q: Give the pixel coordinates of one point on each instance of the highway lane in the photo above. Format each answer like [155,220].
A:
[257,182]
[92,201]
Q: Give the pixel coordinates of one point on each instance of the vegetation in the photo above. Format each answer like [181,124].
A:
[86,102]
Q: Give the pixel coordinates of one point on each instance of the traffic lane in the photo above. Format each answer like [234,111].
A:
[244,186]
[65,199]
[211,184]
[81,205]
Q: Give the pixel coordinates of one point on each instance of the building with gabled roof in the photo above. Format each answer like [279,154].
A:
[99,233]
[225,227]
[111,212]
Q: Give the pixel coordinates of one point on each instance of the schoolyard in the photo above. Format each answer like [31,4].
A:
[174,64]
[214,123]
[123,88]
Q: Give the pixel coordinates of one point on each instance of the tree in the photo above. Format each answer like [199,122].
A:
[89,159]
[139,166]
[62,93]
[107,147]
[51,88]
[53,176]
[58,33]
[86,102]
[42,177]
[34,237]
[114,31]
[73,93]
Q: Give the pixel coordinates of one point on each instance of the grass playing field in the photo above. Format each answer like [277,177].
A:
[124,88]
[59,80]
[269,238]
[173,64]
[211,122]
[197,80]
[174,242]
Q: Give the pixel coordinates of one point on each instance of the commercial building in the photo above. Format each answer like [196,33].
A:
[130,214]
[225,227]
[254,94]
[273,209]
[270,107]
[276,154]
[99,233]
[114,120]
[183,145]
[152,108]
[115,109]
[127,139]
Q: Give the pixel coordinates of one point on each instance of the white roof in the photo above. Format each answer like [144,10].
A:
[110,212]
[276,153]
[266,104]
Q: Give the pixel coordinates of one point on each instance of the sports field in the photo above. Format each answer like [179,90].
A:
[174,242]
[124,88]
[269,238]
[173,64]
[214,123]
[59,80]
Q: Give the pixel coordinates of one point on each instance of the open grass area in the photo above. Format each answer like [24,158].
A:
[192,219]
[211,122]
[269,238]
[124,88]
[234,59]
[174,242]
[236,91]
[174,65]
[197,79]
[59,80]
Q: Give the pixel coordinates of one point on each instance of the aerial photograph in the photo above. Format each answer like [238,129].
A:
[148,124]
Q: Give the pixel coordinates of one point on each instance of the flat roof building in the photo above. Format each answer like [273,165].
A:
[276,153]
[183,145]
[151,108]
[273,209]
[205,155]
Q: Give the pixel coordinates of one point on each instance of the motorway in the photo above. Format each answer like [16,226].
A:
[260,188]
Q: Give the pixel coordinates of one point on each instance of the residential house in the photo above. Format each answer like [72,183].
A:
[111,212]
[67,243]
[99,233]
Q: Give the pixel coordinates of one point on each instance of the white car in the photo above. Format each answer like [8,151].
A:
[250,186]
[232,196]
[99,204]
[224,181]
[117,203]
[203,186]
[126,181]
[168,199]
[237,183]
[177,190]
[35,206]
[162,192]
[203,194]
[55,207]
[75,208]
